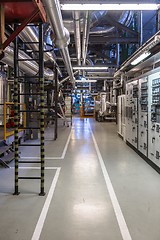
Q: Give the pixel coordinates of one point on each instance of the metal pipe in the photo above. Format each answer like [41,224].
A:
[56,105]
[85,36]
[3,94]
[65,79]
[53,10]
[118,54]
[29,67]
[30,35]
[141,28]
[77,35]
[125,19]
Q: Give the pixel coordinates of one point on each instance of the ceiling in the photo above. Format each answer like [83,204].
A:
[102,38]
[112,36]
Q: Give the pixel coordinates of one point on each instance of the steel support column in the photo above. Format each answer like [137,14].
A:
[2,25]
[16,118]
[41,80]
[56,104]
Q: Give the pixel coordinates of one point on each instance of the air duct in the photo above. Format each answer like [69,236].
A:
[53,10]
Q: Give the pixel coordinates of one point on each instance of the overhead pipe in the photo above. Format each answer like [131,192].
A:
[141,28]
[85,37]
[29,35]
[65,79]
[95,18]
[31,68]
[53,11]
[77,35]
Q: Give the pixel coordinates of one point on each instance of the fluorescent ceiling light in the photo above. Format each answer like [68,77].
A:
[140,58]
[90,68]
[85,81]
[82,7]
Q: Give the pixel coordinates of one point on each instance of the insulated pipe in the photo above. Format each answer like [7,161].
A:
[141,28]
[65,79]
[118,54]
[125,19]
[29,67]
[53,10]
[30,34]
[85,36]
[77,35]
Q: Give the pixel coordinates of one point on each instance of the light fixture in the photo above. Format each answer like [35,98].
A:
[82,7]
[90,68]
[140,58]
[85,81]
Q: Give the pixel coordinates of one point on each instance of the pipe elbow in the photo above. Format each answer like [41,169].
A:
[64,40]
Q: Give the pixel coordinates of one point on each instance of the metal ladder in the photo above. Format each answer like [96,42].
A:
[17,111]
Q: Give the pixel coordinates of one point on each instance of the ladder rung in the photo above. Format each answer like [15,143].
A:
[24,128]
[28,59]
[34,94]
[29,145]
[31,42]
[30,82]
[29,162]
[29,177]
[28,77]
[30,111]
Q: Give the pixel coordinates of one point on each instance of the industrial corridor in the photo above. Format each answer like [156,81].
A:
[97,188]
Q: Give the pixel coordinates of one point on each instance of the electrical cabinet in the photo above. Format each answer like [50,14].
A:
[121,115]
[68,108]
[132,113]
[154,119]
[143,116]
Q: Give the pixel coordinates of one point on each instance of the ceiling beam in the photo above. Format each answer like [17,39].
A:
[112,40]
[120,26]
[2,25]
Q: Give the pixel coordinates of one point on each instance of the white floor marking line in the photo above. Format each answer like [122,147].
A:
[54,158]
[117,209]
[66,146]
[41,220]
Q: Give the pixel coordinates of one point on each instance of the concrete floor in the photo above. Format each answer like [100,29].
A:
[97,189]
